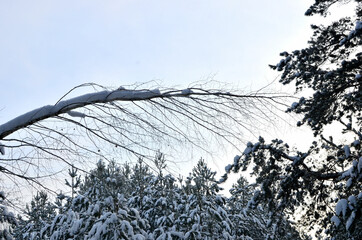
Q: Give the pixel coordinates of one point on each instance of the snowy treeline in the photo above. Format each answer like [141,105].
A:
[131,202]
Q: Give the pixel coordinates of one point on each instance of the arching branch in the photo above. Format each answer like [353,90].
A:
[132,121]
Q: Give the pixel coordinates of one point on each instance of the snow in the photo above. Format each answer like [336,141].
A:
[256,146]
[2,149]
[76,114]
[296,160]
[77,102]
[236,160]
[341,207]
[349,183]
[358,25]
[186,91]
[228,168]
[358,76]
[347,173]
[123,212]
[156,91]
[359,167]
[343,41]
[347,151]
[297,74]
[355,163]
[269,222]
[294,105]
[55,235]
[351,34]
[249,148]
[138,237]
[336,220]
[126,224]
[113,218]
[350,220]
[95,209]
[4,226]
[109,201]
[308,12]
[352,199]
[75,226]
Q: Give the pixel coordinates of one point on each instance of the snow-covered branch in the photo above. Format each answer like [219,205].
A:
[109,123]
[120,94]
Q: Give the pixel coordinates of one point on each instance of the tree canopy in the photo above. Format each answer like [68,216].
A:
[158,206]
[324,182]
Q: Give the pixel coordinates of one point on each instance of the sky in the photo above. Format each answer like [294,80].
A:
[48,47]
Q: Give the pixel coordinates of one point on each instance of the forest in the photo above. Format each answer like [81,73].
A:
[312,193]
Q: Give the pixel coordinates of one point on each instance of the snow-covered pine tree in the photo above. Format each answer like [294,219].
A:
[159,202]
[37,219]
[7,220]
[254,221]
[162,209]
[247,221]
[204,215]
[325,180]
[99,210]
[139,179]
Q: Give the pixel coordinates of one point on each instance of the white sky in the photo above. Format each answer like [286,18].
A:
[48,47]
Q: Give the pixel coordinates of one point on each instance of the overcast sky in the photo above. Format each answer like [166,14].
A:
[48,47]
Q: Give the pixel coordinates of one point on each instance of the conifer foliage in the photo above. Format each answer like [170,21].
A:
[323,182]
[7,220]
[157,206]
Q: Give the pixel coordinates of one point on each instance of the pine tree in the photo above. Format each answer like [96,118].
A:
[204,215]
[140,178]
[160,201]
[75,181]
[247,221]
[324,181]
[99,210]
[7,220]
[38,215]
[254,221]
[162,210]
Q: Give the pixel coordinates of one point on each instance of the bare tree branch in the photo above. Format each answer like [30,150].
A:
[132,121]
